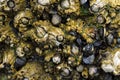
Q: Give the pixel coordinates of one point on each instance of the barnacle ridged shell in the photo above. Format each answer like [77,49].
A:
[112,63]
[18,22]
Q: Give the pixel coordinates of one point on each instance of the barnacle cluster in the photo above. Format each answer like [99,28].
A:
[59,39]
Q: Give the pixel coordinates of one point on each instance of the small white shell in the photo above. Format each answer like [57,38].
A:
[75,49]
[94,8]
[65,4]
[80,68]
[116,58]
[92,71]
[65,72]
[56,59]
[19,52]
[100,19]
[107,67]
[56,19]
[83,1]
[44,2]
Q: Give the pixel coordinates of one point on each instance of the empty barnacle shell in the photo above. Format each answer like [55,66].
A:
[83,1]
[69,6]
[65,4]
[11,4]
[65,72]
[44,2]
[94,8]
[60,38]
[25,78]
[56,19]
[20,52]
[56,59]
[80,68]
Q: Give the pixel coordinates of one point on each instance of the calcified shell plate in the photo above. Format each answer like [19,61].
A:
[59,39]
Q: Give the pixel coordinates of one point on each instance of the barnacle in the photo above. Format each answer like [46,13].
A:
[59,39]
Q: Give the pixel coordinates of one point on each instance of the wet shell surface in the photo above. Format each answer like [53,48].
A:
[59,39]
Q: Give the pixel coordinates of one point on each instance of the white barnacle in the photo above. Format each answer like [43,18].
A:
[107,67]
[20,52]
[56,59]
[116,59]
[65,4]
[40,32]
[83,1]
[43,2]
[56,19]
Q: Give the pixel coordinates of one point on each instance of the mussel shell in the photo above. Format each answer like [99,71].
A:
[88,49]
[89,59]
[19,63]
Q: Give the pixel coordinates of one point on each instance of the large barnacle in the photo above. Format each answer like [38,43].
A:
[23,49]
[23,20]
[69,6]
[16,5]
[112,62]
